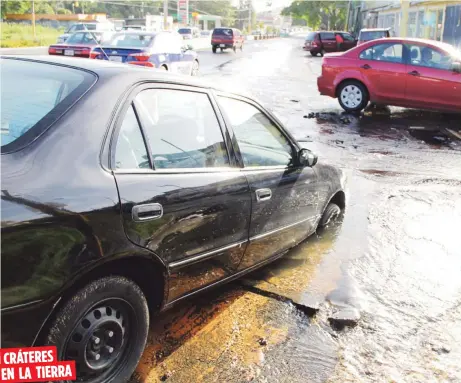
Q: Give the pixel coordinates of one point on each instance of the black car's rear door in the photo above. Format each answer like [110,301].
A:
[284,195]
[184,198]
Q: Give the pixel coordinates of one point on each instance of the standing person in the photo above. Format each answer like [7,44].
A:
[339,41]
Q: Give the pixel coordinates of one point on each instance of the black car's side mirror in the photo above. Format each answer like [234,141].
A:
[456,67]
[307,158]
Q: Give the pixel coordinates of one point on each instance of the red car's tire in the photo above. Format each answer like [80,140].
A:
[314,54]
[352,96]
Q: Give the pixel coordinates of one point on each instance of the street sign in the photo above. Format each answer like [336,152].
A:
[183,11]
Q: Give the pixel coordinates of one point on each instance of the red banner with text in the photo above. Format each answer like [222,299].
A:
[34,364]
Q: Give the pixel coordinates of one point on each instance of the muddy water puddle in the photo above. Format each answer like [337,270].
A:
[394,257]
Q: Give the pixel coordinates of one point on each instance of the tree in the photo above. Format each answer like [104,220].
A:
[319,14]
[19,7]
[223,8]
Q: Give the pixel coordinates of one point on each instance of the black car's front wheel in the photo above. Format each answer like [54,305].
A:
[104,329]
[330,214]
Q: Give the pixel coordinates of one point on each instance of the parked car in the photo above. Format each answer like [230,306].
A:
[133,28]
[226,38]
[325,42]
[412,73]
[79,44]
[189,33]
[205,34]
[163,50]
[366,35]
[164,197]
[78,27]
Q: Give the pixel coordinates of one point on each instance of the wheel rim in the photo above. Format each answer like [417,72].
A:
[99,343]
[351,96]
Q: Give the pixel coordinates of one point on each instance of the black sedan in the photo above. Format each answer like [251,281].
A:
[125,190]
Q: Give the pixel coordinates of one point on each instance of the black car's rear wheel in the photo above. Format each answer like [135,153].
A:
[314,54]
[322,52]
[104,329]
[213,49]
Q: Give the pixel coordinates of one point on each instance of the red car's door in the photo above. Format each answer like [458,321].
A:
[431,80]
[349,42]
[383,67]
[329,41]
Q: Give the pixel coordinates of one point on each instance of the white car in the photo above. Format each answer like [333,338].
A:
[94,26]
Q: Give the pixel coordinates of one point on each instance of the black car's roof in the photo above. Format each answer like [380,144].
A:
[133,74]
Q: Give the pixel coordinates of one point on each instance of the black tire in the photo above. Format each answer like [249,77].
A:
[331,213]
[322,52]
[234,48]
[241,47]
[222,50]
[355,88]
[107,315]
[314,54]
[213,49]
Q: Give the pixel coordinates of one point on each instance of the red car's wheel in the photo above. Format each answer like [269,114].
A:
[353,96]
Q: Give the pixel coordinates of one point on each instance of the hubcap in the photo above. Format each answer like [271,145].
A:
[99,341]
[351,96]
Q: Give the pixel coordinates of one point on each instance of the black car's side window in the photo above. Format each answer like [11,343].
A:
[325,36]
[261,143]
[130,151]
[182,129]
[348,37]
[387,52]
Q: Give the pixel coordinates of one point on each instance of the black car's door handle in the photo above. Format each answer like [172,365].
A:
[414,73]
[147,212]
[366,66]
[263,195]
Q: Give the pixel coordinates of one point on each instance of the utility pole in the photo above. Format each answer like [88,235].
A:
[33,18]
[249,17]
[165,14]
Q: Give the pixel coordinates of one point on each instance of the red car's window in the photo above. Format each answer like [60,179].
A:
[429,57]
[384,52]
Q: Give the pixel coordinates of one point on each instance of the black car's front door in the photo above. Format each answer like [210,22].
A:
[284,196]
[185,200]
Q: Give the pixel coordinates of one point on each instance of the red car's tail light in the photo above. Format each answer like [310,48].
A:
[140,56]
[51,50]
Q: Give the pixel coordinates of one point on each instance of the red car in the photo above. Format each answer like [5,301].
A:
[79,44]
[411,73]
[225,38]
[326,42]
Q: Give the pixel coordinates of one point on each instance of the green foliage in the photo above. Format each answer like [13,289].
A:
[20,7]
[22,35]
[319,14]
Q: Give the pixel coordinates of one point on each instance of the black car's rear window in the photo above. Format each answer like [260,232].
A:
[34,95]
[223,32]
[84,38]
[373,35]
[311,36]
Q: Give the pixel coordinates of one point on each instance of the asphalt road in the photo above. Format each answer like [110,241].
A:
[394,260]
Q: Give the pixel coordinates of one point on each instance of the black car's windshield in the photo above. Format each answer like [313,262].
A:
[185,31]
[82,27]
[373,35]
[134,40]
[84,38]
[30,91]
[222,32]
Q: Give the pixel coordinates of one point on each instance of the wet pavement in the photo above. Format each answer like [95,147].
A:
[390,267]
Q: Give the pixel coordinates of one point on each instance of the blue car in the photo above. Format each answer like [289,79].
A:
[162,50]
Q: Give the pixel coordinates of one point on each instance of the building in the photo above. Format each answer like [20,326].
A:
[436,20]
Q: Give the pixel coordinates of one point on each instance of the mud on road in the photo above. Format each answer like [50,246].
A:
[392,264]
